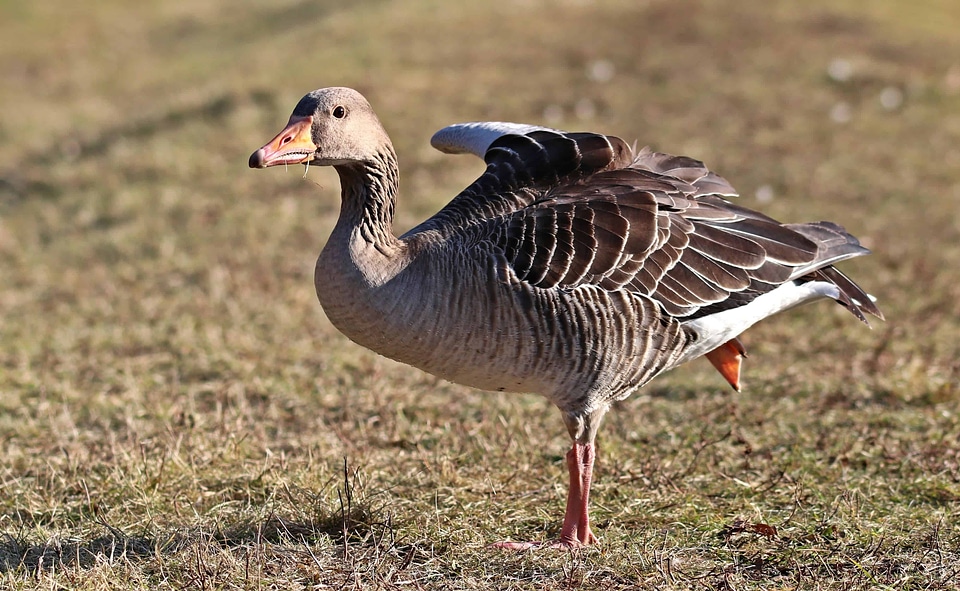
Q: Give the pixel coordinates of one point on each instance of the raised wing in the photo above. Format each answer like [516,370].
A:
[571,209]
[523,163]
[671,238]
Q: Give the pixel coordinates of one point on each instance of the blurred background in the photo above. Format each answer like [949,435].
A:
[128,213]
[151,285]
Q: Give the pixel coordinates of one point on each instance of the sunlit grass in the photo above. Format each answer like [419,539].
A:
[176,412]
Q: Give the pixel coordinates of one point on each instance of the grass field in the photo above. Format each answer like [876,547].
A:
[177,413]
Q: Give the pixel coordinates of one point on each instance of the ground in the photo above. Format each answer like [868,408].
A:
[176,411]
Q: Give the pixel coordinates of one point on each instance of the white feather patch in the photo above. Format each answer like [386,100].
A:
[716,329]
[476,137]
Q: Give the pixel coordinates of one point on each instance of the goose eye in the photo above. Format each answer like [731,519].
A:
[339,112]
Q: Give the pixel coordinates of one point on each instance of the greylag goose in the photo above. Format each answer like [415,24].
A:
[574,267]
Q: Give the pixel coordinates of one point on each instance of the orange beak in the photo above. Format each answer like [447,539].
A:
[726,358]
[293,145]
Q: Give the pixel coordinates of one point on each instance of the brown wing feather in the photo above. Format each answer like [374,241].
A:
[521,169]
[659,228]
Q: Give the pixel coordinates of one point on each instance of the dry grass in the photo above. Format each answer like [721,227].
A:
[176,412]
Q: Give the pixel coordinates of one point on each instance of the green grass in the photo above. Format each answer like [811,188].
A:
[176,412]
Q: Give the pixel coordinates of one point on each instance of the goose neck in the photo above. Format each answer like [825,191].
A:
[369,196]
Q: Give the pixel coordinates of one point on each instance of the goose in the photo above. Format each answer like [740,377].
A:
[575,266]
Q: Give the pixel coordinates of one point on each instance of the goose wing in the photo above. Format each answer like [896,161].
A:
[524,162]
[661,228]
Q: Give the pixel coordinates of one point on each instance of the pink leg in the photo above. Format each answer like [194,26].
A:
[576,522]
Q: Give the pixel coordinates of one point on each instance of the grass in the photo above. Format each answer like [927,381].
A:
[176,412]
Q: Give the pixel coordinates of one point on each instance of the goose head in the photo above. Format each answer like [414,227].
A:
[328,127]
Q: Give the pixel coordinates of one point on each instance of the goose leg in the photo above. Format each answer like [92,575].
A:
[576,523]
[726,358]
[575,531]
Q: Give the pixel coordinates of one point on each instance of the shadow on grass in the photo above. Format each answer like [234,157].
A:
[355,521]
[19,552]
[212,110]
[16,552]
[256,24]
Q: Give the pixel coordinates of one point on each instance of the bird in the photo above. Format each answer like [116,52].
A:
[575,267]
